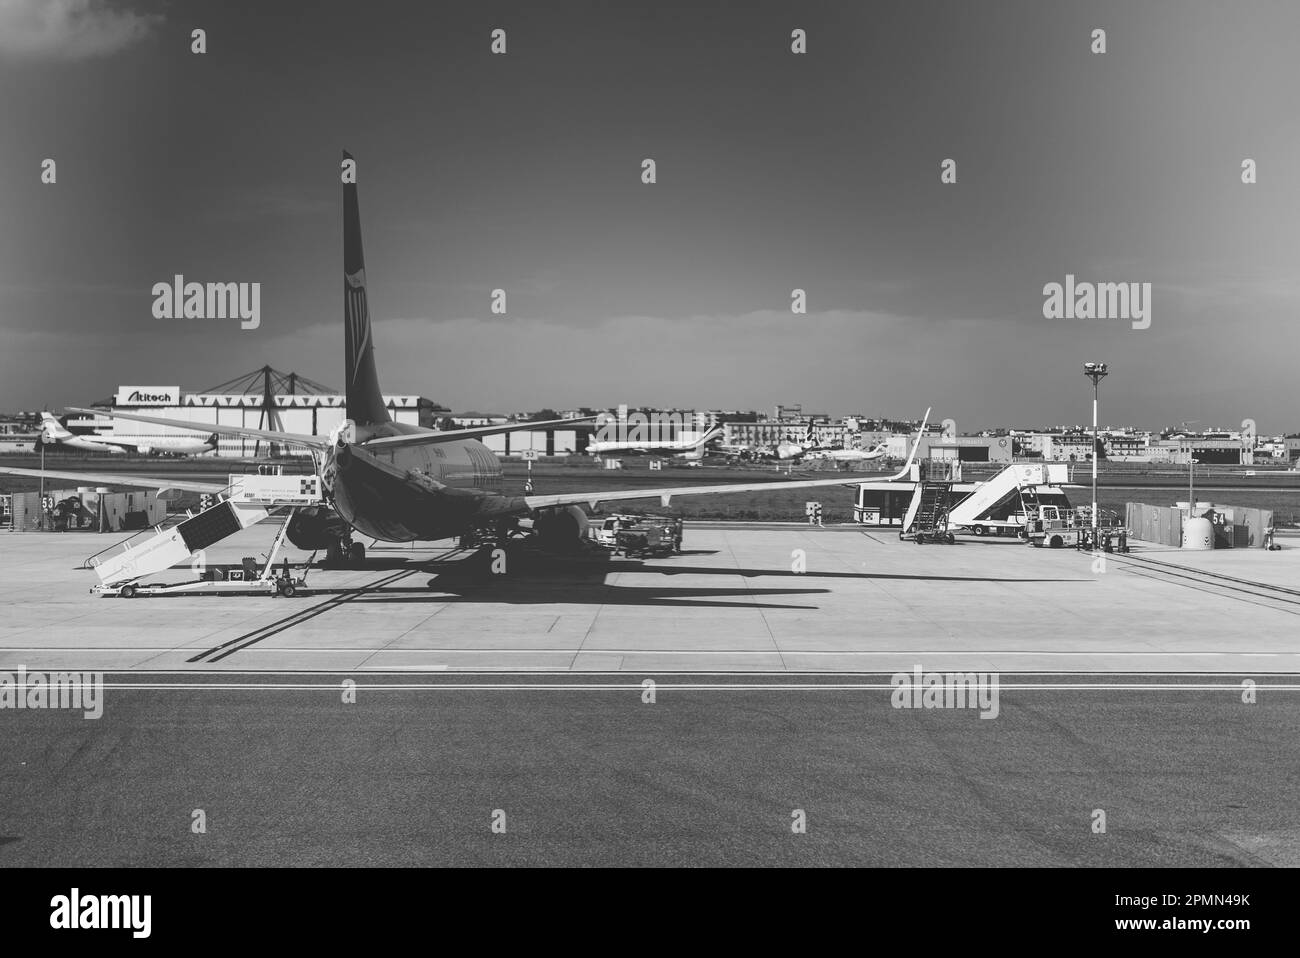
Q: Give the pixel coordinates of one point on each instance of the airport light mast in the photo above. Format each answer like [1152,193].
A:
[1096,372]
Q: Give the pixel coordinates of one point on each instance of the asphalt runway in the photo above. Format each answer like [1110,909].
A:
[414,771]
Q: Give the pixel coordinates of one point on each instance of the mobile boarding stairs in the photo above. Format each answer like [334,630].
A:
[246,501]
[937,508]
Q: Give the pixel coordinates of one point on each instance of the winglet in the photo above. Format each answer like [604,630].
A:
[916,444]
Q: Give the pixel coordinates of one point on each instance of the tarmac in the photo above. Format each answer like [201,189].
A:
[758,598]
[423,711]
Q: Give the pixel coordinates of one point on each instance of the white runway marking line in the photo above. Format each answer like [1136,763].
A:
[288,649]
[397,670]
[672,687]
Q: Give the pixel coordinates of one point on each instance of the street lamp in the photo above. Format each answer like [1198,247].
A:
[1096,372]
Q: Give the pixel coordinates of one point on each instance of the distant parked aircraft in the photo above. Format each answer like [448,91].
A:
[53,431]
[680,448]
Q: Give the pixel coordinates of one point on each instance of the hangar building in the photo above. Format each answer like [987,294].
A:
[311,413]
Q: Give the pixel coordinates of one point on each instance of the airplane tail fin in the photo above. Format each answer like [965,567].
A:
[708,437]
[365,403]
[51,428]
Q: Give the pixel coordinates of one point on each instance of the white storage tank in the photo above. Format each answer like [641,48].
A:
[1198,534]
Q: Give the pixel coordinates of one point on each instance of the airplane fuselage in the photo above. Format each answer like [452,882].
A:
[848,455]
[172,445]
[641,449]
[87,445]
[411,493]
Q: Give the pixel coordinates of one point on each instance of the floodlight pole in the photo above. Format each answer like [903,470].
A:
[1095,372]
[1095,381]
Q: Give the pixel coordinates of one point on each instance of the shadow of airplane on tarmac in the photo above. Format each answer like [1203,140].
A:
[528,577]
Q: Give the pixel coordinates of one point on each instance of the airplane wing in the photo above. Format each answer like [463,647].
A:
[451,435]
[665,495]
[207,428]
[102,479]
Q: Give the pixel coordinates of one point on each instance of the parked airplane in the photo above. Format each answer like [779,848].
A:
[679,448]
[53,431]
[849,455]
[786,450]
[790,449]
[399,483]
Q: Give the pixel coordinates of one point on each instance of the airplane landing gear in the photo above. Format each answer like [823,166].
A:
[344,553]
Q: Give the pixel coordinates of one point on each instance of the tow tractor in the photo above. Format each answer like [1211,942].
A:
[1050,526]
[1046,526]
[640,535]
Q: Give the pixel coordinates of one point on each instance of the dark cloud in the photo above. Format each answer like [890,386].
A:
[775,171]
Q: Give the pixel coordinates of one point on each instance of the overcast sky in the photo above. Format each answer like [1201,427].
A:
[775,171]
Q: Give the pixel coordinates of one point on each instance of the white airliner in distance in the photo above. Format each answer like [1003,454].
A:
[53,431]
[680,448]
[785,450]
[848,455]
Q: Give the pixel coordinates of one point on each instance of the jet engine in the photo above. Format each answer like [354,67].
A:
[316,527]
[561,529]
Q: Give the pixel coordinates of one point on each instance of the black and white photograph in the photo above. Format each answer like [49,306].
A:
[556,434]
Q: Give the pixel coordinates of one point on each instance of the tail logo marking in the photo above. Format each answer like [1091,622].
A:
[358,326]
